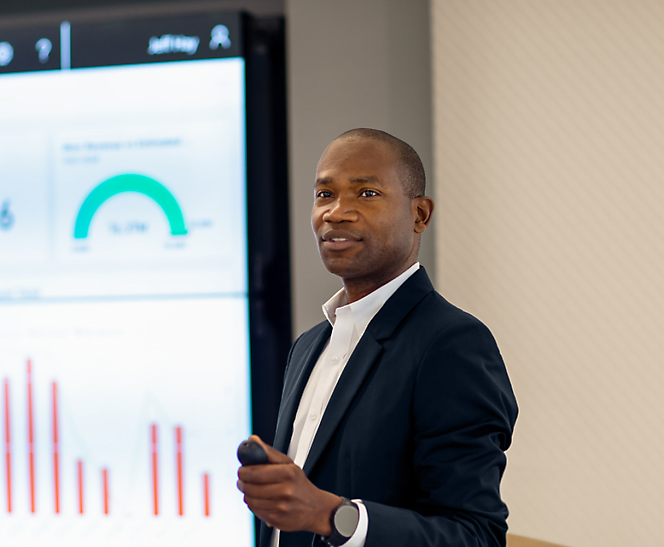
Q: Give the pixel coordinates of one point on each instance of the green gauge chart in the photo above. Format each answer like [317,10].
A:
[140,184]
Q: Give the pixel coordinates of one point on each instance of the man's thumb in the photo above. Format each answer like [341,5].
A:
[273,455]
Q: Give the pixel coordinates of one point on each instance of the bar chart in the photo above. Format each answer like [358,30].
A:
[11,482]
[118,423]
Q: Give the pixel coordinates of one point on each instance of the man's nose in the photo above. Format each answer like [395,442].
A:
[341,210]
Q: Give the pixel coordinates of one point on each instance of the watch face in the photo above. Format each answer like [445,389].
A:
[345,520]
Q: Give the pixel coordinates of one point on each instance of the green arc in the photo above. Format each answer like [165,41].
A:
[129,183]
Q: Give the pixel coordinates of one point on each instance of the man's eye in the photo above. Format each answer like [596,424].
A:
[323,194]
[369,193]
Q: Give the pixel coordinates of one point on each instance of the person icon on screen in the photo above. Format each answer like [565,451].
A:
[220,37]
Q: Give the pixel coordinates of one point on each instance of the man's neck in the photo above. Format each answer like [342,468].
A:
[359,288]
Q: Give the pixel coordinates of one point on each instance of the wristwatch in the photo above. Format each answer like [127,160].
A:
[344,523]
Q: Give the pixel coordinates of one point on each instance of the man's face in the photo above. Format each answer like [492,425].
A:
[363,222]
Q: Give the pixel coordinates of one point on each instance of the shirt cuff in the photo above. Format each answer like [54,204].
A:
[360,536]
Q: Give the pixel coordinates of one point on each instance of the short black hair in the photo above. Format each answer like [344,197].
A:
[410,168]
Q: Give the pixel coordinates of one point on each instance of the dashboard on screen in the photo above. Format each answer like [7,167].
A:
[125,291]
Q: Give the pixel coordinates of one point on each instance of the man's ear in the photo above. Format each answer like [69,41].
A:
[424,209]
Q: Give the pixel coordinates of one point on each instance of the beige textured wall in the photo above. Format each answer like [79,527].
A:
[549,154]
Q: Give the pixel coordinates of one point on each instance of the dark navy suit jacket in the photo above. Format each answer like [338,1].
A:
[416,427]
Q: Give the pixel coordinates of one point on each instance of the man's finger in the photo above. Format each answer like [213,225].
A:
[266,474]
[273,455]
[268,492]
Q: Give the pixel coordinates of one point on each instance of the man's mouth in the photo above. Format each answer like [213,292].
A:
[338,242]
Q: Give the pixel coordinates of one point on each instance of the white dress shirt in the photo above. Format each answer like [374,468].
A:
[349,321]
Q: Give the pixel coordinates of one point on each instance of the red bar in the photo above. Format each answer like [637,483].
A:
[8,450]
[155,477]
[31,441]
[79,464]
[178,458]
[56,466]
[206,493]
[104,479]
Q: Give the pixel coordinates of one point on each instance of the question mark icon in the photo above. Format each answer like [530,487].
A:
[43,48]
[6,53]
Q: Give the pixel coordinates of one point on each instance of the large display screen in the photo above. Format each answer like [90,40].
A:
[124,337]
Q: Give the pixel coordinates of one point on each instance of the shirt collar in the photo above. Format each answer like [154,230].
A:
[364,309]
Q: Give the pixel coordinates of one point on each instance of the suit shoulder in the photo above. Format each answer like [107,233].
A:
[309,338]
[439,314]
[313,333]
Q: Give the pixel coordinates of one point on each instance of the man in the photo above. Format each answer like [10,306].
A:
[399,402]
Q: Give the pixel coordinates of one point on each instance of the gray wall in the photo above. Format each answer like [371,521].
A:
[350,64]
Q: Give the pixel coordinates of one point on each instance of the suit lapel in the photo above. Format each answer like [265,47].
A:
[365,355]
[360,364]
[296,380]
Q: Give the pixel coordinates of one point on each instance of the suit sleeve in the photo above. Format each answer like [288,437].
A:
[463,416]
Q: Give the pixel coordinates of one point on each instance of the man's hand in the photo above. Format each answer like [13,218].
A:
[280,494]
